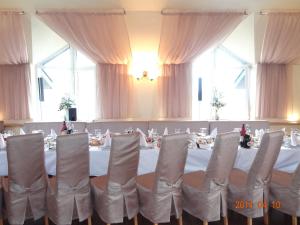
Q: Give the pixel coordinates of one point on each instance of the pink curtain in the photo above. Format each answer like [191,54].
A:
[175,85]
[14,91]
[184,36]
[114,98]
[104,38]
[272,86]
[13,42]
[14,67]
[280,47]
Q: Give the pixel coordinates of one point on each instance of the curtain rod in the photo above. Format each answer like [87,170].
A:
[266,12]
[108,12]
[12,12]
[174,12]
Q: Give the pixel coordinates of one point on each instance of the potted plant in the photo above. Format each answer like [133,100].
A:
[65,104]
[217,103]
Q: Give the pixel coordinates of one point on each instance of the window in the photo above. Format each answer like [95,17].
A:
[222,70]
[66,72]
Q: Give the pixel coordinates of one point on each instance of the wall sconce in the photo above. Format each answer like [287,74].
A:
[145,77]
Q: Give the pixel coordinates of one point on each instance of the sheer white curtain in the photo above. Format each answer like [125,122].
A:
[183,37]
[280,47]
[104,38]
[14,67]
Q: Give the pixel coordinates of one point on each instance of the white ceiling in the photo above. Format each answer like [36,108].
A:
[153,5]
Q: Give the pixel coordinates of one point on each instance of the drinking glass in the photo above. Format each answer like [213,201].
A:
[97,133]
[203,132]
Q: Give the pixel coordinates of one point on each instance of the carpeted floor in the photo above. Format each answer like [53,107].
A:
[276,218]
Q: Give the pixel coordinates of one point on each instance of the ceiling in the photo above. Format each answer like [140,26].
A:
[153,5]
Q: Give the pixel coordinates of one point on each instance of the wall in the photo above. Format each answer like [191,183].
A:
[144,33]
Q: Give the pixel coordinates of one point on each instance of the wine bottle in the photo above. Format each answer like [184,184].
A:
[64,129]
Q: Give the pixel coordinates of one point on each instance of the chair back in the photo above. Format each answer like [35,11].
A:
[124,158]
[171,159]
[222,159]
[261,168]
[296,179]
[72,162]
[25,156]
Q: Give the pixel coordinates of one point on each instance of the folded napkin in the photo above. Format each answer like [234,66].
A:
[53,134]
[143,141]
[166,131]
[150,133]
[214,133]
[188,131]
[86,130]
[107,140]
[22,132]
[295,139]
[2,142]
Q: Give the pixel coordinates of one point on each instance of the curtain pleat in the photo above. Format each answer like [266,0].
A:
[280,47]
[183,38]
[14,67]
[104,38]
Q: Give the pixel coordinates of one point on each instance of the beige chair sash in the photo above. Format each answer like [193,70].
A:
[82,187]
[38,185]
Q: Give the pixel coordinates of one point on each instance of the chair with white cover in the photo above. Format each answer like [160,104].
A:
[26,185]
[115,195]
[69,195]
[204,192]
[248,192]
[160,193]
[285,193]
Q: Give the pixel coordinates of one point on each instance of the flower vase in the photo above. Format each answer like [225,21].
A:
[66,116]
[217,117]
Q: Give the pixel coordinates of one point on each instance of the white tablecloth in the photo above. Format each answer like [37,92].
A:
[197,160]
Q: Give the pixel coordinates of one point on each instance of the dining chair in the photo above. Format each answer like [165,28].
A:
[26,185]
[114,195]
[285,193]
[160,193]
[68,195]
[248,192]
[204,192]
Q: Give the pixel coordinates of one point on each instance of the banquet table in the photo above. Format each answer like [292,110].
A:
[197,159]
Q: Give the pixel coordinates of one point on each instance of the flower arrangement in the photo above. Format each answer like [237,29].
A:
[66,103]
[217,102]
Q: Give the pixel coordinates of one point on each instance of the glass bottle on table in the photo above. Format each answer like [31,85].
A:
[64,129]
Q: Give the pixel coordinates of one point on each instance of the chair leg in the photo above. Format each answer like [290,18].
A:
[249,221]
[180,221]
[225,219]
[89,220]
[46,220]
[205,222]
[266,218]
[135,219]
[294,220]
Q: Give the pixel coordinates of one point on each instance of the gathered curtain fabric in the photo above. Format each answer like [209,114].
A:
[184,36]
[14,67]
[104,38]
[280,47]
